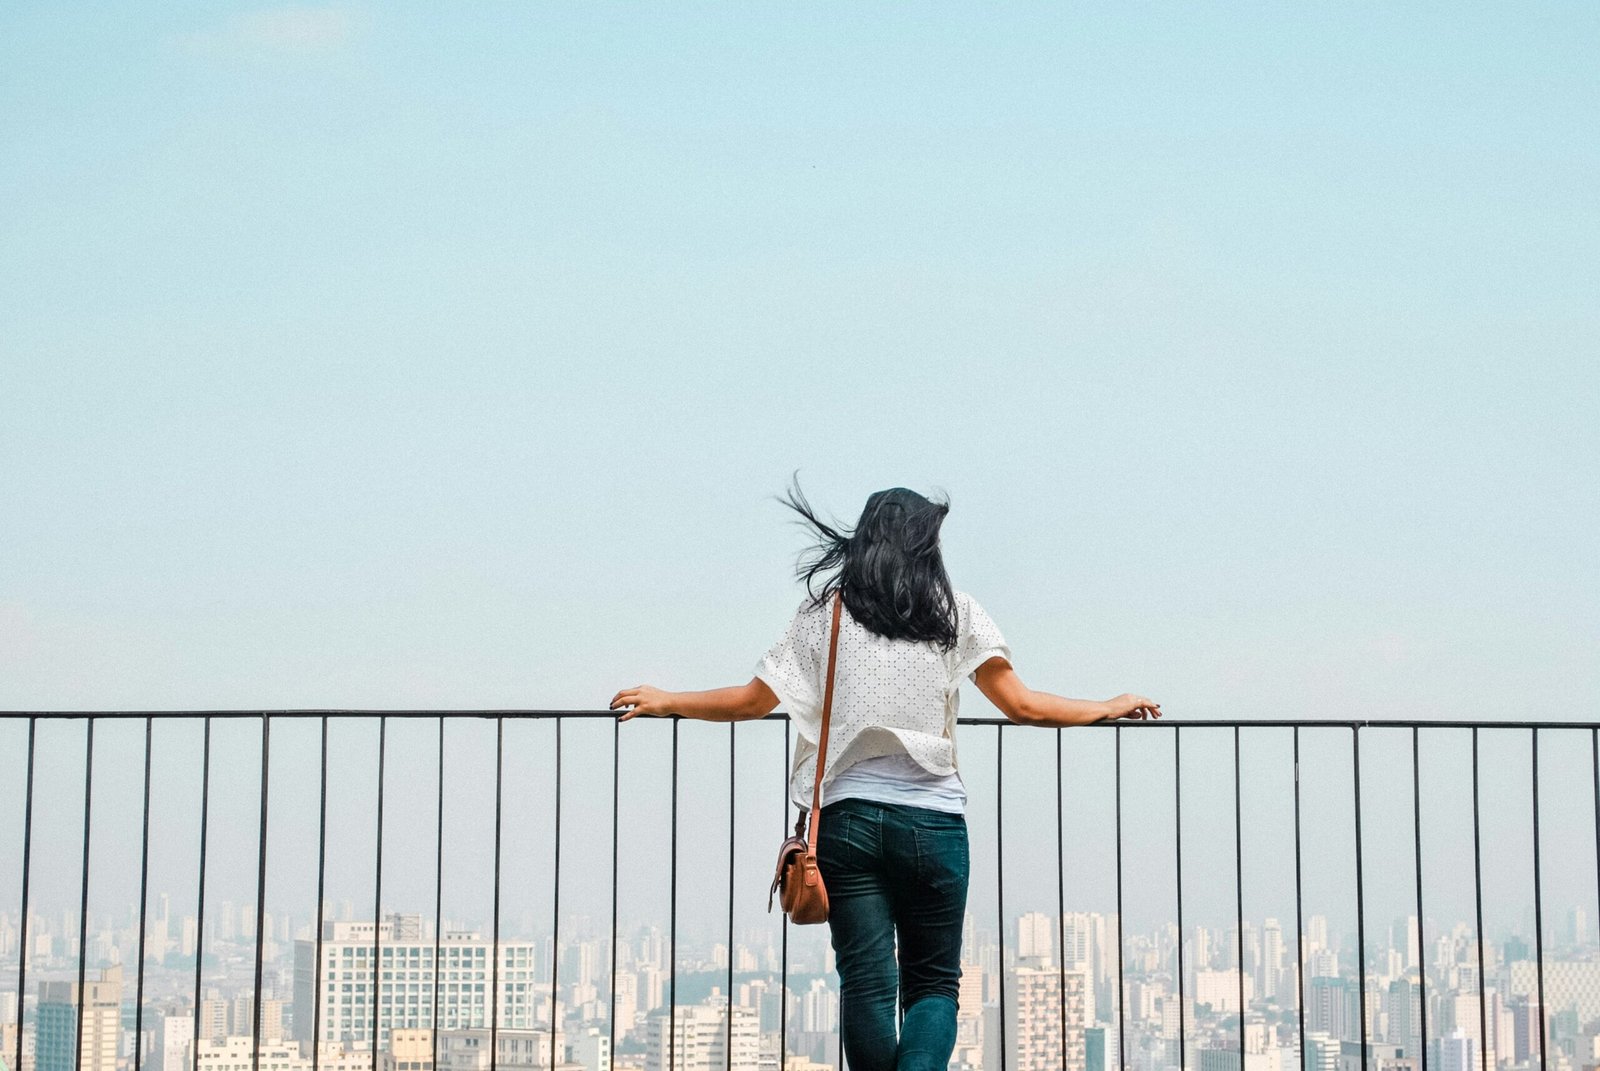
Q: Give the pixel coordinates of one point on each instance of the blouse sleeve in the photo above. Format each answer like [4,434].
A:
[792,667]
[979,640]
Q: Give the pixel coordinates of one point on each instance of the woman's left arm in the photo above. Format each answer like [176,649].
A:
[740,702]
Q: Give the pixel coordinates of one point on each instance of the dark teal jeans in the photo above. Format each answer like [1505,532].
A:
[894,870]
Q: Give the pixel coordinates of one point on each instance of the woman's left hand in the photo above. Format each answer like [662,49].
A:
[643,699]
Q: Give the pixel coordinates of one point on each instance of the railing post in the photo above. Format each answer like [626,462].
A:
[261,895]
[1177,840]
[200,905]
[1422,943]
[1477,882]
[83,902]
[1538,900]
[1361,914]
[1299,909]
[144,902]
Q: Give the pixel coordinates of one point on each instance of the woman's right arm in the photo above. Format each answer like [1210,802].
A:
[1000,683]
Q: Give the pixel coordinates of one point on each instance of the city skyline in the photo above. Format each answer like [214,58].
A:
[1035,957]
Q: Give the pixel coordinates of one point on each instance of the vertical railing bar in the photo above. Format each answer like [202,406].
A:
[494,947]
[1000,879]
[261,892]
[616,799]
[1477,880]
[1538,899]
[1061,905]
[377,897]
[1177,840]
[1299,909]
[1122,992]
[555,915]
[731,812]
[200,906]
[1594,759]
[1238,886]
[27,859]
[1361,913]
[83,903]
[322,877]
[672,926]
[438,911]
[783,961]
[144,902]
[1422,942]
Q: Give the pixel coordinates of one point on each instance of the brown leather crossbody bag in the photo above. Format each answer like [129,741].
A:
[804,896]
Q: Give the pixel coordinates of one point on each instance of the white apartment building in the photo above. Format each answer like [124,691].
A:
[349,1000]
[1033,1026]
[1220,989]
[174,1035]
[700,1035]
[521,1050]
[234,1054]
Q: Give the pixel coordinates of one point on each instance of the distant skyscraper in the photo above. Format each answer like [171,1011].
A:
[347,989]
[1456,1052]
[1035,936]
[1272,980]
[1404,1007]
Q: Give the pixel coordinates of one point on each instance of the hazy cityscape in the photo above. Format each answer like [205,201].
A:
[1015,998]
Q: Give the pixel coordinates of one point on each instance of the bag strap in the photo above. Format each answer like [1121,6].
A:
[827,710]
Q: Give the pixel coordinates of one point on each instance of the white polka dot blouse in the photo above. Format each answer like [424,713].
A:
[889,696]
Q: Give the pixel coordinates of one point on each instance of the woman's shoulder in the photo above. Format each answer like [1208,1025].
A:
[965,605]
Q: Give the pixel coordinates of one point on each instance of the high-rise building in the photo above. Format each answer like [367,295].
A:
[1403,1004]
[1525,1022]
[1079,939]
[1220,989]
[819,1008]
[57,1031]
[174,1035]
[699,1038]
[1321,1052]
[1033,1020]
[1035,936]
[347,992]
[1273,984]
[1332,1007]
[1457,1051]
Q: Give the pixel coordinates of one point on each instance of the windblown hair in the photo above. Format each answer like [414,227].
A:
[889,566]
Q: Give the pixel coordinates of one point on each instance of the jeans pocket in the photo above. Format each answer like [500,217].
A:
[943,854]
[833,840]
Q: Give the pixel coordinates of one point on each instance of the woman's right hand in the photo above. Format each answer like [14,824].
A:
[1132,706]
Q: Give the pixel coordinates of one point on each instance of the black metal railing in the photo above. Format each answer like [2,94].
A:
[1178,730]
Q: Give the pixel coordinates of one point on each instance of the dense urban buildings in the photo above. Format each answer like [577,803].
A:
[1048,994]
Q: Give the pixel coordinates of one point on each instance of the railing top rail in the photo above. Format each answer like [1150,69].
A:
[1171,723]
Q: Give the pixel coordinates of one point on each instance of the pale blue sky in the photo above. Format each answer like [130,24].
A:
[381,356]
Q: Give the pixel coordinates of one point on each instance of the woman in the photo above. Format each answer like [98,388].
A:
[892,840]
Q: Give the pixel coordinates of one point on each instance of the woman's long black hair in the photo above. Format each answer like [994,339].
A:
[889,566]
